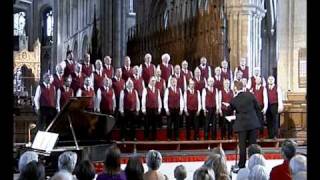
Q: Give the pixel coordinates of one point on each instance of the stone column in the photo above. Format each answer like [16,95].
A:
[116,35]
[244,31]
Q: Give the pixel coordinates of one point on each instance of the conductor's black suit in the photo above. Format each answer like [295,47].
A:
[246,123]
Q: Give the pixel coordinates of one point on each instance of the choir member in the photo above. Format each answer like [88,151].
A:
[87,91]
[77,78]
[64,93]
[226,72]
[118,85]
[106,99]
[205,68]
[226,97]
[107,67]
[160,82]
[68,64]
[185,71]
[138,82]
[165,67]
[210,106]
[218,81]
[44,101]
[151,107]
[87,67]
[147,68]
[275,106]
[252,80]
[181,80]
[243,68]
[129,107]
[200,82]
[260,92]
[58,79]
[173,105]
[98,75]
[126,69]
[192,108]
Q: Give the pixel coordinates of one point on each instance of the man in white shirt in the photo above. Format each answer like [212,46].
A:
[64,93]
[87,91]
[151,107]
[173,105]
[45,102]
[129,107]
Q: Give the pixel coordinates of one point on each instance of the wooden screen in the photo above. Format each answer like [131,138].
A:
[198,32]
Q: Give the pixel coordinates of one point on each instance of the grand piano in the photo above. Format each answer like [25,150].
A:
[76,125]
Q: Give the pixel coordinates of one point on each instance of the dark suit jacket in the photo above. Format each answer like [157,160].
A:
[246,107]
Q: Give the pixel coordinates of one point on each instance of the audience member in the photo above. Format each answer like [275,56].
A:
[243,174]
[258,172]
[254,149]
[298,163]
[112,165]
[62,175]
[32,171]
[219,165]
[180,172]
[204,173]
[67,161]
[301,175]
[256,159]
[85,170]
[134,169]
[154,160]
[27,157]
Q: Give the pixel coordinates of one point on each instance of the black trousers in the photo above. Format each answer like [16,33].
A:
[151,121]
[173,123]
[192,122]
[226,126]
[128,122]
[272,120]
[261,119]
[210,119]
[246,138]
[45,117]
[101,126]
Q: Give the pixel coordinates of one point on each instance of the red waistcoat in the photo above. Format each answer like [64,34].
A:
[166,71]
[65,96]
[108,72]
[117,86]
[87,70]
[226,75]
[174,99]
[106,104]
[98,80]
[192,100]
[187,75]
[218,84]
[88,93]
[47,96]
[160,86]
[69,69]
[126,74]
[272,95]
[58,83]
[199,85]
[245,72]
[152,99]
[147,72]
[210,98]
[259,95]
[204,71]
[226,97]
[138,85]
[130,100]
[180,81]
[77,82]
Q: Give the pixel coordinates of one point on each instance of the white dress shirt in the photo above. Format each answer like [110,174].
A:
[98,99]
[166,96]
[38,94]
[144,96]
[185,96]
[204,94]
[121,100]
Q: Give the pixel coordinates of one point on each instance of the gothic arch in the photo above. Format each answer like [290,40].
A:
[75,50]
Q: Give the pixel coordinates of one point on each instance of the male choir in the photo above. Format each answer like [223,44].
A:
[148,93]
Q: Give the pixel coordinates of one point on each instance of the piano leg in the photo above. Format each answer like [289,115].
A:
[73,134]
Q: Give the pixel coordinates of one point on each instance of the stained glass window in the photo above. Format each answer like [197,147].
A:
[19,20]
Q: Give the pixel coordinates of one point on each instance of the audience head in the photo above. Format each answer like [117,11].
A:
[27,157]
[165,58]
[32,171]
[204,173]
[301,175]
[112,160]
[180,172]
[298,163]
[85,170]
[258,172]
[218,163]
[154,159]
[147,58]
[134,168]
[243,174]
[256,159]
[288,149]
[67,161]
[62,175]
[254,149]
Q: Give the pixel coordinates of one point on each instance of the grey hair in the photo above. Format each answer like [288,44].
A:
[243,174]
[27,157]
[288,148]
[256,159]
[180,172]
[301,175]
[62,175]
[298,163]
[154,159]
[258,172]
[67,161]
[165,55]
[204,173]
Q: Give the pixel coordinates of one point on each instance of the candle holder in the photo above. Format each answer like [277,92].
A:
[31,126]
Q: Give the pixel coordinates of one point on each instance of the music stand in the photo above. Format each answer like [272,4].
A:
[44,142]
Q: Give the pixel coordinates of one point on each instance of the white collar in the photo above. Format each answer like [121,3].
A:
[191,90]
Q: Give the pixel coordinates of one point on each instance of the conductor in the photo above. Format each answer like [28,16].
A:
[247,122]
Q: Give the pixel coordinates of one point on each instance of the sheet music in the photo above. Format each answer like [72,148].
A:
[45,141]
[231,118]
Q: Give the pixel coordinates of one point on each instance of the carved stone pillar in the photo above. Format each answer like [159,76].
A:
[244,31]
